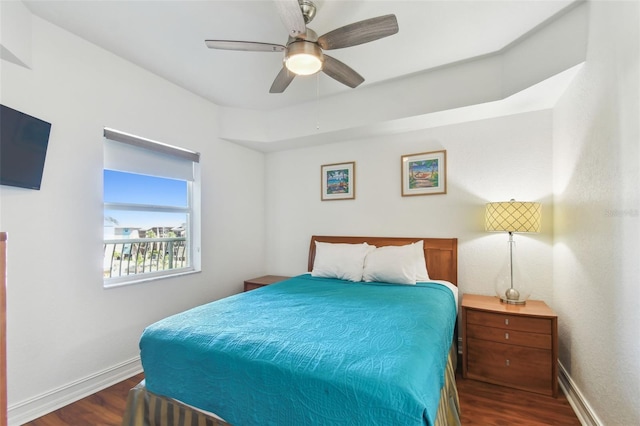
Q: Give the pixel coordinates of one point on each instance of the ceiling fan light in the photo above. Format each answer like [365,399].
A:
[303,58]
[303,64]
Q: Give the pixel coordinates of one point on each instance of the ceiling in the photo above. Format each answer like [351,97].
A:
[167,39]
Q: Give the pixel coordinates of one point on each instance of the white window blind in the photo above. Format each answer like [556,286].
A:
[126,152]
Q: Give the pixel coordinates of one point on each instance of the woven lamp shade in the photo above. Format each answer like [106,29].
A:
[513,216]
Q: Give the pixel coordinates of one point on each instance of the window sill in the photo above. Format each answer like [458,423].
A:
[118,282]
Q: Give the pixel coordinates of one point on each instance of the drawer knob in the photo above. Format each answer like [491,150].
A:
[506,336]
[508,363]
[506,321]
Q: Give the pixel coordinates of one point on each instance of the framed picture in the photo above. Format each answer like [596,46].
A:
[338,181]
[424,173]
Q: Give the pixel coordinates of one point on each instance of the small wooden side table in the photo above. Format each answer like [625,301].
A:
[258,282]
[510,345]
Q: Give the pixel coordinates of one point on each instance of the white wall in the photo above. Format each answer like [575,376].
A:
[597,219]
[487,160]
[63,327]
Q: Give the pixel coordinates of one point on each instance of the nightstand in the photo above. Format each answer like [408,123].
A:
[510,345]
[258,282]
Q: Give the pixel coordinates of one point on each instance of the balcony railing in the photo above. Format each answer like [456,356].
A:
[143,255]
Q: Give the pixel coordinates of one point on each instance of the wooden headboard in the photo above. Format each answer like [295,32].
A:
[441,254]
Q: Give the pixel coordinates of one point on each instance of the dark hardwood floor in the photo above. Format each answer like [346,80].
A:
[104,408]
[481,404]
[490,405]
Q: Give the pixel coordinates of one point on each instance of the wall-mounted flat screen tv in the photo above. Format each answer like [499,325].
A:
[23,148]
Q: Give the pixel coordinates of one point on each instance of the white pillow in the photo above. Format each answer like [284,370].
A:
[339,260]
[391,264]
[421,266]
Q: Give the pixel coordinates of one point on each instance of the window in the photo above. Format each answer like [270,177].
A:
[151,209]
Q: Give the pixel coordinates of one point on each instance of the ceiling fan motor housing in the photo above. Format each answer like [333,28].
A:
[308,10]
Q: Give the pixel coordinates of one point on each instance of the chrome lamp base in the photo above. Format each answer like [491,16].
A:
[512,297]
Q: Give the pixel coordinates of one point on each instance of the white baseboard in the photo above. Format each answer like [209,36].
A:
[25,411]
[583,410]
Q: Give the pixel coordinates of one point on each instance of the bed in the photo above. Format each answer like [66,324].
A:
[319,348]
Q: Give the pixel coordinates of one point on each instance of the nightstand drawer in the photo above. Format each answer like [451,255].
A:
[510,365]
[510,322]
[510,337]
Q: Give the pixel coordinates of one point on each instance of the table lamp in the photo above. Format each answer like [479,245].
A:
[512,216]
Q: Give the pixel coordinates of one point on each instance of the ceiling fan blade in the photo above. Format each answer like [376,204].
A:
[282,81]
[291,16]
[359,32]
[251,46]
[341,72]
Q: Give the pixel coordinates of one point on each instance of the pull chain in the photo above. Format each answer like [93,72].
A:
[317,101]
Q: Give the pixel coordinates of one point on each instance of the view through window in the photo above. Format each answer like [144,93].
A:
[146,220]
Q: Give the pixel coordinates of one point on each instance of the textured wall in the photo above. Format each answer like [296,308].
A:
[597,217]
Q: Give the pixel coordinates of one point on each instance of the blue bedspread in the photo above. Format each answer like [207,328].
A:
[308,351]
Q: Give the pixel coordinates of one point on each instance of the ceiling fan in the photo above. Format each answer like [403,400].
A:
[303,53]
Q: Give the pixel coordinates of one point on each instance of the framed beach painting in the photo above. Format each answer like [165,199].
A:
[338,181]
[424,173]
